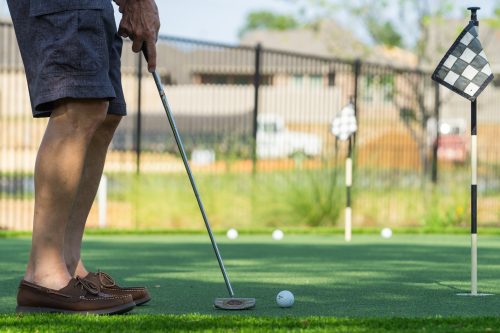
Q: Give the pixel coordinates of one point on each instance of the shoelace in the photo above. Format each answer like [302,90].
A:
[106,280]
[87,285]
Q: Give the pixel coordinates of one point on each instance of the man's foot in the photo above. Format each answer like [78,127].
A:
[79,296]
[107,285]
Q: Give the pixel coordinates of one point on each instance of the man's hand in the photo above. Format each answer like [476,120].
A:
[141,23]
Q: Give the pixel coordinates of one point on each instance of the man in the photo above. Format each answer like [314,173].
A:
[71,52]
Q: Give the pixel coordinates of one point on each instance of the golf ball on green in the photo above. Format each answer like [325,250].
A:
[285,299]
[278,234]
[232,234]
[386,233]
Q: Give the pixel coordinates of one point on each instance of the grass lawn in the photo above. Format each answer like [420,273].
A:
[405,284]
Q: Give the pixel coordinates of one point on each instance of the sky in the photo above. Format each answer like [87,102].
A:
[220,20]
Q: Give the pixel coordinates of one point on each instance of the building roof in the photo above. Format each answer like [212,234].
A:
[329,39]
[325,39]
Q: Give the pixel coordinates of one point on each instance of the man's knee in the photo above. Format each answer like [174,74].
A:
[108,128]
[81,115]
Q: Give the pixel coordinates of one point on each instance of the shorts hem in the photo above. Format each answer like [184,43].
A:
[45,102]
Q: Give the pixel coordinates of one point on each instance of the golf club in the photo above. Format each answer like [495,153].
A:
[231,303]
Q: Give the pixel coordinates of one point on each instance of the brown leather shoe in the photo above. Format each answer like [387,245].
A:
[79,296]
[107,285]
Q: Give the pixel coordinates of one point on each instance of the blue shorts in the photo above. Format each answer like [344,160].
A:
[70,49]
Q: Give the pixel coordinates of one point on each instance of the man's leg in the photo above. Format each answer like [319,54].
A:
[58,171]
[92,172]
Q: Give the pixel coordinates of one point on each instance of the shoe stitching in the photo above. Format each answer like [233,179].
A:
[84,284]
[103,298]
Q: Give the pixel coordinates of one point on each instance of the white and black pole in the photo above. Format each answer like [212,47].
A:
[348,184]
[473,189]
[465,70]
[344,126]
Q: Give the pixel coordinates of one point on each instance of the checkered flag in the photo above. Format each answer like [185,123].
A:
[465,69]
[344,124]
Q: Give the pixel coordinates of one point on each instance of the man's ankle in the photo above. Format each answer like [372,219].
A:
[77,269]
[54,280]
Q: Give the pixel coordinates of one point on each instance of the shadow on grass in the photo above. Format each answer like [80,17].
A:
[411,277]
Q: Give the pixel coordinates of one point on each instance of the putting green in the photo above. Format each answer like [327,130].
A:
[404,276]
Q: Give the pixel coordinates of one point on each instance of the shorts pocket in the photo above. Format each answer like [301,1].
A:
[70,42]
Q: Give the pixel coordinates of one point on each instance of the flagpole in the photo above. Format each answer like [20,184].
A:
[473,190]
[473,230]
[344,127]
[465,70]
[348,183]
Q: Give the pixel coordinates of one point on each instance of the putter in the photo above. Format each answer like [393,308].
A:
[231,303]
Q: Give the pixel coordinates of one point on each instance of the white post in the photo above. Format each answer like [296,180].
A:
[102,201]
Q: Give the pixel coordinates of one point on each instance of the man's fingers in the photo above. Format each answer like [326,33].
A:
[140,22]
[151,55]
[122,31]
[137,45]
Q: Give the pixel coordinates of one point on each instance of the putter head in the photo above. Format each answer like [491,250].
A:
[234,303]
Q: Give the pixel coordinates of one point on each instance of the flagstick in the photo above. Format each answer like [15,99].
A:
[473,198]
[348,183]
[473,201]
[473,230]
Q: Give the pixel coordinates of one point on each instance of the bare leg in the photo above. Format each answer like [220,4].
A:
[58,171]
[92,172]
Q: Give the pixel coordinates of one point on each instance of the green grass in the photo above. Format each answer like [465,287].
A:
[434,230]
[339,287]
[206,323]
[295,199]
[299,198]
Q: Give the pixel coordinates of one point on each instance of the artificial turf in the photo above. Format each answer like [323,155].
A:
[357,287]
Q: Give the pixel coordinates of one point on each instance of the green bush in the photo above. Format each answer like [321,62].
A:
[298,198]
[446,209]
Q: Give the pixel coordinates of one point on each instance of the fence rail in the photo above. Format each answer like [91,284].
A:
[255,111]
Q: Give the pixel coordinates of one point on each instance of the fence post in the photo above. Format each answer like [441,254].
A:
[139,115]
[256,84]
[435,147]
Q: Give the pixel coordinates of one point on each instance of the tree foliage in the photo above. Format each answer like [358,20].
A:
[383,32]
[402,23]
[266,20]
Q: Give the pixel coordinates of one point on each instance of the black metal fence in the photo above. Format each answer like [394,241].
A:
[265,115]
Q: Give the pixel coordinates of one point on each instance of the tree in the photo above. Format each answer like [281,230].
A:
[402,23]
[494,21]
[399,23]
[266,20]
[383,32]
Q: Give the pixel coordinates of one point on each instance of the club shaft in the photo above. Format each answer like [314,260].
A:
[191,178]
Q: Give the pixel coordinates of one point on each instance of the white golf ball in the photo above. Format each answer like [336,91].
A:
[278,234]
[386,233]
[232,234]
[285,299]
